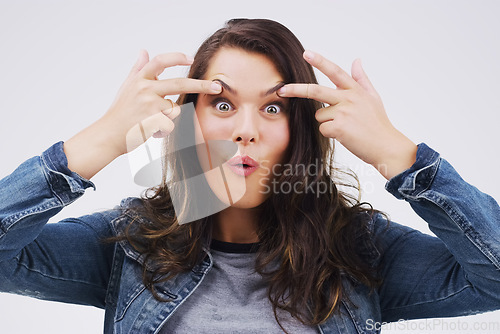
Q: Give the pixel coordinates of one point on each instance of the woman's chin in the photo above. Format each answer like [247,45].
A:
[248,202]
[241,200]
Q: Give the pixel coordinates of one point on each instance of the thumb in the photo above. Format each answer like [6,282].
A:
[142,60]
[360,76]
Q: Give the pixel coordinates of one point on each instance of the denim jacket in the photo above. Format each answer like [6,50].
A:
[456,274]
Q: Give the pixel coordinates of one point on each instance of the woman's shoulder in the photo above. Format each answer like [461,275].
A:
[382,228]
[110,222]
[130,203]
[122,215]
[126,219]
[390,237]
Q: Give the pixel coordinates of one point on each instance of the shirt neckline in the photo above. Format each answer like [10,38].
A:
[232,247]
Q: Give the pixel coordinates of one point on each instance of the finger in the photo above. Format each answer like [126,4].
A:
[185,85]
[325,114]
[335,73]
[159,63]
[171,109]
[158,125]
[312,91]
[141,61]
[360,76]
[329,129]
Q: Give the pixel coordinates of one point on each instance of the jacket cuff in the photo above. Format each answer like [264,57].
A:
[67,185]
[418,178]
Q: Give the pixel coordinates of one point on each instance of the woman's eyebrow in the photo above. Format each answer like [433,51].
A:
[226,86]
[274,89]
[234,92]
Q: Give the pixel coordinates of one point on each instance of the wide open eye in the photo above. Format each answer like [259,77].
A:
[223,106]
[273,109]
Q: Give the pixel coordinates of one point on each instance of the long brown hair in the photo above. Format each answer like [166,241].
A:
[315,238]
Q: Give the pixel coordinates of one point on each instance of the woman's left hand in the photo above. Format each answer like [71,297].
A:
[355,116]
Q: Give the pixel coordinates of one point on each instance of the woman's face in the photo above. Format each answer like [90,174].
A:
[250,118]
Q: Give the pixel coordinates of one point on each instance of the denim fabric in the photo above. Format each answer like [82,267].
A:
[423,276]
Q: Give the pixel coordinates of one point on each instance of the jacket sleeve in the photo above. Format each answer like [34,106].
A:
[457,273]
[66,261]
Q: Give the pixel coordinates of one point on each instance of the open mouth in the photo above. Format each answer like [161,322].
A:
[243,165]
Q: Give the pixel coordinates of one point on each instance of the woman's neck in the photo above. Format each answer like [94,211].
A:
[236,225]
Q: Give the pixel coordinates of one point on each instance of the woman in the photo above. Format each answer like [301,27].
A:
[236,251]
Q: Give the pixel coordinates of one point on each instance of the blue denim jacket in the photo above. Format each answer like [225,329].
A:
[423,276]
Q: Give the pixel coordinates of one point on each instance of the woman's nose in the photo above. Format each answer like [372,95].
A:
[246,129]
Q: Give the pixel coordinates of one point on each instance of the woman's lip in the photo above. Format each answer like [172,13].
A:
[243,165]
[243,160]
[242,171]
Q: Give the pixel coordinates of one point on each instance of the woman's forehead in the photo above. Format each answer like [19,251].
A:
[237,70]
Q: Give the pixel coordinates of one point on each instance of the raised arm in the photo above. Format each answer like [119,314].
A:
[138,112]
[355,116]
[65,261]
[68,261]
[457,273]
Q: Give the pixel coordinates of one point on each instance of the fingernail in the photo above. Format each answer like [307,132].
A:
[309,55]
[282,91]
[190,59]
[215,87]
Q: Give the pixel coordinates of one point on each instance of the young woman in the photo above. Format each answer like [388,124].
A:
[260,243]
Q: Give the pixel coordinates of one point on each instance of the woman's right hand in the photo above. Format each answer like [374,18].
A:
[140,101]
[138,112]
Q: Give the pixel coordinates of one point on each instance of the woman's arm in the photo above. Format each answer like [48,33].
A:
[138,112]
[66,261]
[355,116]
[41,186]
[457,274]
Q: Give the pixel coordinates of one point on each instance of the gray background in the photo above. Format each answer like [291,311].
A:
[435,64]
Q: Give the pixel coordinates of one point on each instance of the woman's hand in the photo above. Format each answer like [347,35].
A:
[355,116]
[141,104]
[138,112]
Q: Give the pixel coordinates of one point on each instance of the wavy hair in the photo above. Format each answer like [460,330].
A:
[315,239]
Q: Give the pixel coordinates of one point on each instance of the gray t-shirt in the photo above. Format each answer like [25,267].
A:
[232,298]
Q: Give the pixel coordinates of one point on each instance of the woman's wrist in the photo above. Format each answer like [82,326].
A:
[399,155]
[93,148]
